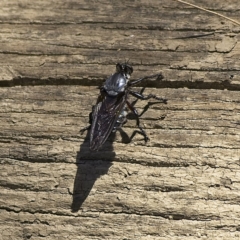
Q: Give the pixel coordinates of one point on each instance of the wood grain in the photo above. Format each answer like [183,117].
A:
[39,42]
[183,184]
[185,176]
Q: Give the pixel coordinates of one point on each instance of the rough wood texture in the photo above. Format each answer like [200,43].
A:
[183,184]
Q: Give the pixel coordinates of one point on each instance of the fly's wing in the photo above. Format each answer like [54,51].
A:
[105,114]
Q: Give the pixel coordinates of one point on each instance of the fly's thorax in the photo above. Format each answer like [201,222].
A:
[116,83]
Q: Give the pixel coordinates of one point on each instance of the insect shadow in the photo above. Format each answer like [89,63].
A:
[93,164]
[90,166]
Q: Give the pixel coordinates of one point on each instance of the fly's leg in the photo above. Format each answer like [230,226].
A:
[159,76]
[140,96]
[84,129]
[134,110]
[90,123]
[135,101]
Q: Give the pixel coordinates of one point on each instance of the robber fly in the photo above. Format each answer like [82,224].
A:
[110,111]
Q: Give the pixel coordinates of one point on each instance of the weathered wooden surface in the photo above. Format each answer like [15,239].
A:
[183,184]
[80,42]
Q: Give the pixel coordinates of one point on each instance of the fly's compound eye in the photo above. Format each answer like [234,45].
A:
[119,67]
[128,69]
[124,68]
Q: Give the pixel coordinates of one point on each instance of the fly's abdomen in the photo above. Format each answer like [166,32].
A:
[122,119]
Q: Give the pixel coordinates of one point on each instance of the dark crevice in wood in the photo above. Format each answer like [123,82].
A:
[97,82]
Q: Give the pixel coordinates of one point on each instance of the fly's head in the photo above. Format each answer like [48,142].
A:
[125,69]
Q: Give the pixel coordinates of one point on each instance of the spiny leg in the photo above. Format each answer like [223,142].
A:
[134,110]
[135,101]
[159,75]
[142,97]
